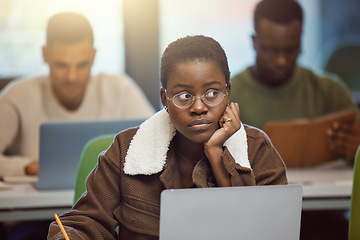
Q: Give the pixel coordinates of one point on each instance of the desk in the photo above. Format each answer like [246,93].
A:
[323,189]
[25,202]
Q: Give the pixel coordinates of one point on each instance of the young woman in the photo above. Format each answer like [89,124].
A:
[197,141]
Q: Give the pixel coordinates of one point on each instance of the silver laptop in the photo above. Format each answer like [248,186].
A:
[257,212]
[61,145]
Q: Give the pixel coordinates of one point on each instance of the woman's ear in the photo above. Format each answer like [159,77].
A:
[163,98]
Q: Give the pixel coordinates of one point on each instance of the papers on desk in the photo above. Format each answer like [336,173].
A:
[4,186]
[333,174]
[20,179]
[7,180]
[344,183]
[336,164]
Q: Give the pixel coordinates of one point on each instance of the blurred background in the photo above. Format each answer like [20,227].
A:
[130,35]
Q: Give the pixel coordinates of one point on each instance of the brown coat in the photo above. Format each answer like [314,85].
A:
[133,201]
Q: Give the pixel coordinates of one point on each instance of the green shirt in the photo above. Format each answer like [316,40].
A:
[305,95]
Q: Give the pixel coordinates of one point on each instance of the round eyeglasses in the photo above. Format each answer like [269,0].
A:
[185,99]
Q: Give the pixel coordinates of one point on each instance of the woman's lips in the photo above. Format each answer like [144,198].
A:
[200,124]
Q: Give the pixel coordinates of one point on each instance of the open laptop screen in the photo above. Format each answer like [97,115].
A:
[61,145]
[258,212]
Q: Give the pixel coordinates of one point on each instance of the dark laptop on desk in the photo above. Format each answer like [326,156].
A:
[259,212]
[61,145]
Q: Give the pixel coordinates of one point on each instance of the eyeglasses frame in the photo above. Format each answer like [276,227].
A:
[194,97]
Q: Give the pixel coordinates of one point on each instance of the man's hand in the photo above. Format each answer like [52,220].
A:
[344,138]
[32,168]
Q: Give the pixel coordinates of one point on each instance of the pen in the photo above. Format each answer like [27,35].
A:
[61,226]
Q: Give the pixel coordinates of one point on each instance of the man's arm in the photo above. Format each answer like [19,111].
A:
[9,128]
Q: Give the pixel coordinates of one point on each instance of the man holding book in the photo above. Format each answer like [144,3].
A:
[277,89]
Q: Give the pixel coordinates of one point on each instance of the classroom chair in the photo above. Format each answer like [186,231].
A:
[354,221]
[88,160]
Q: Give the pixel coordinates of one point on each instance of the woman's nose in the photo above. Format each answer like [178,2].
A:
[198,107]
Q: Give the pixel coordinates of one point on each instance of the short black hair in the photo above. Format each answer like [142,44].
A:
[192,48]
[278,11]
[68,27]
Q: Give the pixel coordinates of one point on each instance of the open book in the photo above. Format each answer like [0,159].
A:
[303,142]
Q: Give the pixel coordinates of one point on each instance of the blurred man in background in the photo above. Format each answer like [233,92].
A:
[69,93]
[276,88]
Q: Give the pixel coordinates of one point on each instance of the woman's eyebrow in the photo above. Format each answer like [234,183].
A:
[208,84]
[179,85]
[189,86]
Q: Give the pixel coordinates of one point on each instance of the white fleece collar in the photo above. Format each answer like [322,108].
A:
[148,148]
